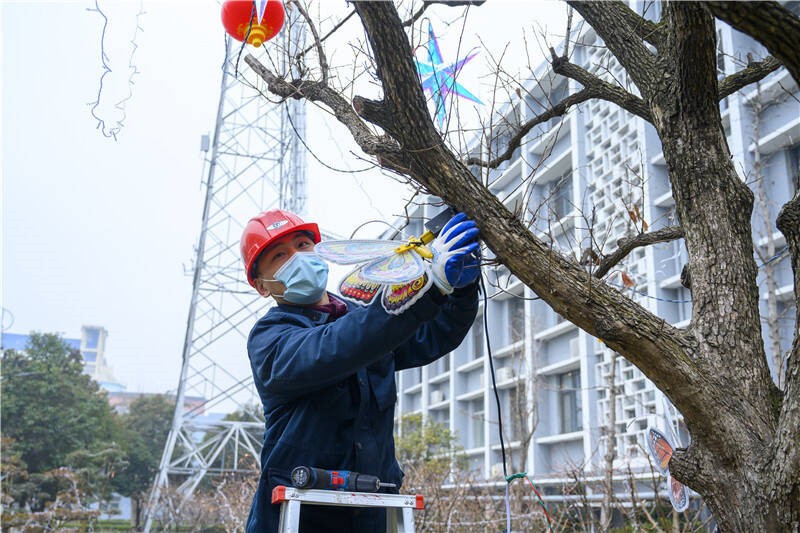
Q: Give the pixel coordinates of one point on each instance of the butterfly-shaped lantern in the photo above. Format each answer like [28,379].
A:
[661,450]
[397,273]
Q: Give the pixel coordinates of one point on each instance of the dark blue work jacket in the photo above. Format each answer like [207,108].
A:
[328,391]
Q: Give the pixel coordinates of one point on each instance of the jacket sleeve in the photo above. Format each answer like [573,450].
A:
[290,359]
[444,333]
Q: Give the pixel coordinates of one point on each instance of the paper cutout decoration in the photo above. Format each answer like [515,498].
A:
[397,268]
[678,495]
[661,450]
[439,80]
[357,289]
[400,297]
[392,269]
[355,251]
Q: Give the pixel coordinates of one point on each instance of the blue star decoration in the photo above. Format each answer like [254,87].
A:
[440,80]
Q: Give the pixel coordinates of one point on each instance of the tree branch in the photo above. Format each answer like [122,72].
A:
[405,107]
[606,91]
[516,140]
[786,451]
[331,32]
[773,25]
[319,92]
[627,245]
[754,72]
[594,87]
[646,30]
[450,3]
[612,22]
[323,61]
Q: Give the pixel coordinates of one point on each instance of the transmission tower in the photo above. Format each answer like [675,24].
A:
[256,163]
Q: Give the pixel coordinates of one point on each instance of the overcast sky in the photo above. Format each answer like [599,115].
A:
[99,231]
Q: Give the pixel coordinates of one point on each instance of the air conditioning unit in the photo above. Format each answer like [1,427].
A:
[437,396]
[505,373]
[575,348]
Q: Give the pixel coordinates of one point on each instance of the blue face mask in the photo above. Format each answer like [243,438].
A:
[305,276]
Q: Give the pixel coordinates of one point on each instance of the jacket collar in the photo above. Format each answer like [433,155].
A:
[316,317]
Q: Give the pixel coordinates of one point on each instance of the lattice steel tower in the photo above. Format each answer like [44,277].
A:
[256,163]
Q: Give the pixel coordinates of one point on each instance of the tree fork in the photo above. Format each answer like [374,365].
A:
[640,336]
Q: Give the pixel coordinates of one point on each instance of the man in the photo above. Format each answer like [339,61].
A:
[325,370]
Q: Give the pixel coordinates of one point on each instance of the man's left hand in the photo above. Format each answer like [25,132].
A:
[456,254]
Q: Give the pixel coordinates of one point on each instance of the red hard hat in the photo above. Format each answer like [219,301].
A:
[263,229]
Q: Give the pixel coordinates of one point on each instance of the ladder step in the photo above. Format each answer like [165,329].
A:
[399,507]
[281,494]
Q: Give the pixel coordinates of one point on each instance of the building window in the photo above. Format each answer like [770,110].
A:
[515,413]
[440,366]
[560,195]
[92,338]
[516,312]
[475,429]
[569,402]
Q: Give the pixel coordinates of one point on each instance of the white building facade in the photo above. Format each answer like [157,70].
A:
[592,177]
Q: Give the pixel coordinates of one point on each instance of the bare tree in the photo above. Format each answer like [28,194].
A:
[743,458]
[768,252]
[606,509]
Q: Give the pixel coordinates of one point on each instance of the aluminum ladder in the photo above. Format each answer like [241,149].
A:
[399,507]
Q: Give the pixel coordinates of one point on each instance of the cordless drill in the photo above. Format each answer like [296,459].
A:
[306,477]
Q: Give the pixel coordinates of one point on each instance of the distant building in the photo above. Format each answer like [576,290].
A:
[91,345]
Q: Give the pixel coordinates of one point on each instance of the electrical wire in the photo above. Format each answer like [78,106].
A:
[112,131]
[244,42]
[497,399]
[521,475]
[541,502]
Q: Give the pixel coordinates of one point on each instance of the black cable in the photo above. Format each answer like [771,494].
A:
[494,382]
[246,36]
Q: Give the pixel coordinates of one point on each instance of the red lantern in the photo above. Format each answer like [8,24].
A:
[239,16]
